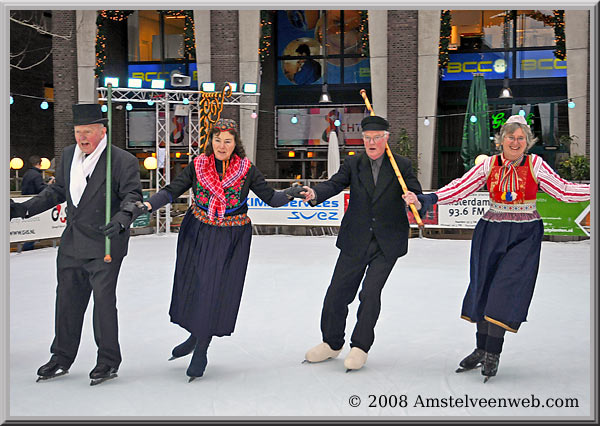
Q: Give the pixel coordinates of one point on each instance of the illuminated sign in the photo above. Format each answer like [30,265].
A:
[500,118]
[149,72]
[462,66]
[540,64]
[530,64]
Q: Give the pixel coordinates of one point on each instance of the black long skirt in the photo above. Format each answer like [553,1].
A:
[209,276]
[505,258]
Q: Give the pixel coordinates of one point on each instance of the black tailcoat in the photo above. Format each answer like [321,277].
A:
[372,209]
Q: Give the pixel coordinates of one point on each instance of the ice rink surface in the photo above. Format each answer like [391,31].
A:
[257,371]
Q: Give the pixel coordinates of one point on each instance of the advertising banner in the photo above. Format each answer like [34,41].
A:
[563,218]
[559,218]
[540,64]
[49,224]
[491,64]
[297,212]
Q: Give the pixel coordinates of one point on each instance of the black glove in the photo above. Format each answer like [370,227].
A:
[112,229]
[294,191]
[17,209]
[427,200]
[136,209]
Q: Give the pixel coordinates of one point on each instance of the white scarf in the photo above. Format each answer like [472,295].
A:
[81,168]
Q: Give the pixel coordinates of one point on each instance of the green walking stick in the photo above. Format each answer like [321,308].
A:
[107,257]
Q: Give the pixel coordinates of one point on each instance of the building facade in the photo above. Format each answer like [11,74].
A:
[297,56]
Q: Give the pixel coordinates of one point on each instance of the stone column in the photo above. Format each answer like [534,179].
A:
[64,62]
[428,48]
[577,44]
[202,36]
[249,27]
[86,55]
[378,57]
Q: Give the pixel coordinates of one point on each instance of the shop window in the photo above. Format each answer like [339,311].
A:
[478,30]
[534,28]
[154,36]
[301,56]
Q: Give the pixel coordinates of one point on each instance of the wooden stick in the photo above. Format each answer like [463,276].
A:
[363,93]
[107,256]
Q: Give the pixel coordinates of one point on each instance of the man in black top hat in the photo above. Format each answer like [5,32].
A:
[373,235]
[81,270]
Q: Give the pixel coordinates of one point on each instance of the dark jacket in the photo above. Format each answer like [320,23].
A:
[82,238]
[32,182]
[378,210]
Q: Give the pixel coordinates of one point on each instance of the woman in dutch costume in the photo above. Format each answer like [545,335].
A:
[213,244]
[506,244]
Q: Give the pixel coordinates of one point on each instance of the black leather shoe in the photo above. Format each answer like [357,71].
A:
[103,371]
[51,369]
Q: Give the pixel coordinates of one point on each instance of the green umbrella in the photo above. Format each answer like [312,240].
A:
[476,129]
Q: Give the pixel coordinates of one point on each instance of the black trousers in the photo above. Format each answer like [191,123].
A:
[347,276]
[77,279]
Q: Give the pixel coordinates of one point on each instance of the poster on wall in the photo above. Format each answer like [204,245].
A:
[314,125]
[300,34]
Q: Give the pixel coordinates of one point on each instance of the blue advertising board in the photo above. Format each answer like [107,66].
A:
[540,64]
[149,72]
[462,66]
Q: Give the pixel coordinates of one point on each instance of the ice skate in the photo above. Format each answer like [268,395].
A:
[51,370]
[199,360]
[184,348]
[472,361]
[102,373]
[355,359]
[490,365]
[321,352]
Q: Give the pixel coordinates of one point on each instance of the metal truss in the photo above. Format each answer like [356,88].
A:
[162,100]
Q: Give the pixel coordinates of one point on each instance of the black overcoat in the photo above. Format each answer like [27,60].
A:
[82,238]
[378,210]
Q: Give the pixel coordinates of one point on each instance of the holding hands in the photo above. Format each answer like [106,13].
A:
[297,191]
[411,198]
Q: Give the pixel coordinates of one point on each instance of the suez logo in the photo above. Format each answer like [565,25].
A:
[158,75]
[499,65]
[299,210]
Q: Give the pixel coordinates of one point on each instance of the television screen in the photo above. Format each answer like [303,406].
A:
[141,129]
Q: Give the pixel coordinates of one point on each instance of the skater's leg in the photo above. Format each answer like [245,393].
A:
[184,348]
[493,348]
[199,359]
[475,358]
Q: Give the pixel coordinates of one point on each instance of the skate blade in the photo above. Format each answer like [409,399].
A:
[191,379]
[44,378]
[95,382]
[462,369]
[486,379]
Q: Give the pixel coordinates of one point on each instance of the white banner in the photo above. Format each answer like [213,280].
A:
[297,212]
[49,224]
[464,213]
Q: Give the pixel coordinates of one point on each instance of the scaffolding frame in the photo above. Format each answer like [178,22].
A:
[163,100]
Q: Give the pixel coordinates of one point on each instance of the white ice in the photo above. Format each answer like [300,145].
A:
[257,371]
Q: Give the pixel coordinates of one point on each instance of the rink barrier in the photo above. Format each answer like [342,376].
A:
[299,218]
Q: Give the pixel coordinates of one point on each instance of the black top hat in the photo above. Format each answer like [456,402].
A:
[374,122]
[88,114]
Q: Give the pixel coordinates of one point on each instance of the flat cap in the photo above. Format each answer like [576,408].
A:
[374,122]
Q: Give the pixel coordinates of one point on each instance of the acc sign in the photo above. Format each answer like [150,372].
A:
[297,212]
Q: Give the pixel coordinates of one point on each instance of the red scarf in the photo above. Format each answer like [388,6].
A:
[206,173]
